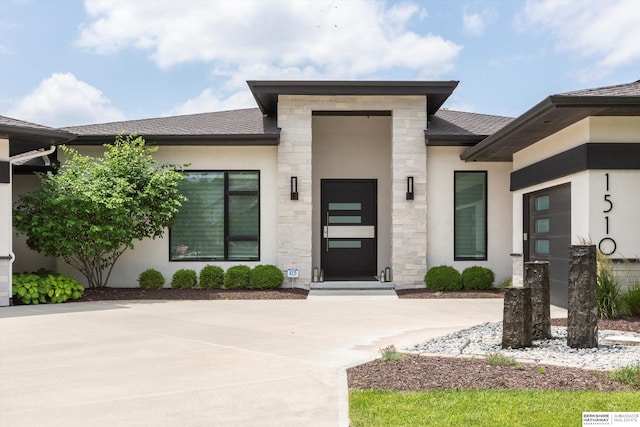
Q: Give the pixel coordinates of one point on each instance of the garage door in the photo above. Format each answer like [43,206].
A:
[547,236]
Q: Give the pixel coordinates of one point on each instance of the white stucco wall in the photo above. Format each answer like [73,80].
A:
[6,232]
[588,188]
[441,164]
[155,253]
[354,147]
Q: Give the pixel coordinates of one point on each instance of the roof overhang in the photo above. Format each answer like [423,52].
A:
[266,92]
[25,139]
[553,114]
[190,140]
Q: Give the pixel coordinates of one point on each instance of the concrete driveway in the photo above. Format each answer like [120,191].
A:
[205,363]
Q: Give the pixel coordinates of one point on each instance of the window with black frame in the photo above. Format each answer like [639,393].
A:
[220,220]
[470,217]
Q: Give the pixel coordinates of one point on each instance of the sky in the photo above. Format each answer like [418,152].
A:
[74,62]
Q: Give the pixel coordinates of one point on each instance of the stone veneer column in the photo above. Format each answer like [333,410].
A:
[409,217]
[294,159]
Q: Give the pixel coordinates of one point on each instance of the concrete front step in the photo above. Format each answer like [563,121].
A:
[352,285]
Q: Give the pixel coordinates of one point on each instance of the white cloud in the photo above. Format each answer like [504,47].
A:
[63,100]
[328,38]
[473,24]
[605,31]
[208,100]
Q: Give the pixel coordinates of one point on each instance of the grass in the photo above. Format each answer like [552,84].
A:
[629,375]
[391,353]
[502,408]
[497,359]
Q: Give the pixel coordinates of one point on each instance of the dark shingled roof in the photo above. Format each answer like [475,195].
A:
[553,114]
[448,127]
[246,124]
[627,89]
[26,136]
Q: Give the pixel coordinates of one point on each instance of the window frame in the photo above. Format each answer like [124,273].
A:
[227,237]
[486,219]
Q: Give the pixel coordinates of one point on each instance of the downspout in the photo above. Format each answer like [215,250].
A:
[29,156]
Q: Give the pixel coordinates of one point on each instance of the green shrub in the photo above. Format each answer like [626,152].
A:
[211,277]
[608,291]
[151,279]
[184,279]
[443,278]
[631,300]
[266,277]
[237,277]
[477,278]
[53,288]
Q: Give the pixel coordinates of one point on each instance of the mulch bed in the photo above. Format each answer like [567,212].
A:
[421,373]
[423,293]
[120,294]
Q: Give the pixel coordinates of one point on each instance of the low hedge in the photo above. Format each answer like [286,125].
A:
[266,277]
[477,278]
[237,277]
[211,277]
[443,278]
[184,279]
[151,279]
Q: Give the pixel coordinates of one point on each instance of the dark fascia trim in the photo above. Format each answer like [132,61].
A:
[580,106]
[24,139]
[522,121]
[587,156]
[353,113]
[194,140]
[433,140]
[49,135]
[266,92]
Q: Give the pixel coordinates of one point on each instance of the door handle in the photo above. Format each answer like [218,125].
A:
[326,231]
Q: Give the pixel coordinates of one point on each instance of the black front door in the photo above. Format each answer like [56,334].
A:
[547,236]
[349,229]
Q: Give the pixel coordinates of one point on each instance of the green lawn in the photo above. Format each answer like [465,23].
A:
[483,407]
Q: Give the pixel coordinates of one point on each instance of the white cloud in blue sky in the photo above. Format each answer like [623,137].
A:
[78,62]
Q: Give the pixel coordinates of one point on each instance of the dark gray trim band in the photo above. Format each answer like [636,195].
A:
[187,140]
[578,159]
[5,172]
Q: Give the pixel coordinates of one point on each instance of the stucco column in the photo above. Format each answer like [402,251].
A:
[409,217]
[6,228]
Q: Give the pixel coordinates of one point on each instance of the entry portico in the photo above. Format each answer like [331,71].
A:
[356,131]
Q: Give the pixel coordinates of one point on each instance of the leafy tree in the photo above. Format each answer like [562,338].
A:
[93,209]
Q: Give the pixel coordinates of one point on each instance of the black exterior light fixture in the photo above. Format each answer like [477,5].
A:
[294,188]
[409,188]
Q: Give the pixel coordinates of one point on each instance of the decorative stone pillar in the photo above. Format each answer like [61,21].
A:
[582,322]
[516,318]
[536,277]
[6,230]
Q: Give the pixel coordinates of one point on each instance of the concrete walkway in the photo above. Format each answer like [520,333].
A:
[205,363]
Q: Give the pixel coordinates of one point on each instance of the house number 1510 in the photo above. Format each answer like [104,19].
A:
[607,245]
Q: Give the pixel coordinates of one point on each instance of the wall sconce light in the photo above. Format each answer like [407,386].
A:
[294,188]
[409,188]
